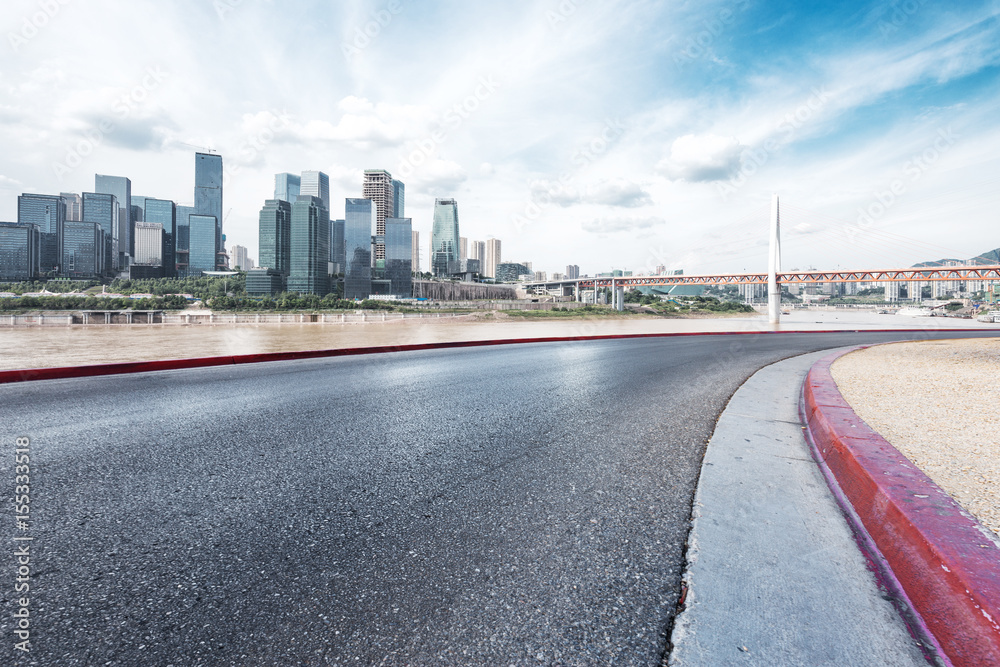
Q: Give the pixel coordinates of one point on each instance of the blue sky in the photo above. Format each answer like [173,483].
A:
[604,134]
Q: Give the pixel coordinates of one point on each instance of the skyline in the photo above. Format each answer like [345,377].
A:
[625,135]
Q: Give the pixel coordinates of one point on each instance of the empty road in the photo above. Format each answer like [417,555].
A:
[520,504]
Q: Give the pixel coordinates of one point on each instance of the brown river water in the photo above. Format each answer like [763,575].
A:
[39,347]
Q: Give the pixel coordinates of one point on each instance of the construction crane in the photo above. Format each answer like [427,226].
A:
[201,148]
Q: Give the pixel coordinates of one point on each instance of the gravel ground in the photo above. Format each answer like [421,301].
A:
[936,402]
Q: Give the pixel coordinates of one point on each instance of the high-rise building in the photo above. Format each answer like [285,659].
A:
[287,187]
[241,258]
[415,259]
[274,236]
[444,237]
[138,208]
[83,249]
[310,247]
[103,209]
[147,262]
[20,251]
[510,272]
[493,258]
[378,186]
[48,214]
[315,184]
[477,250]
[164,212]
[121,188]
[208,178]
[338,254]
[463,248]
[201,244]
[572,272]
[182,243]
[74,205]
[398,199]
[399,256]
[359,223]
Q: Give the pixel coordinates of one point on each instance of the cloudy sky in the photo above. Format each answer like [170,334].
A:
[606,134]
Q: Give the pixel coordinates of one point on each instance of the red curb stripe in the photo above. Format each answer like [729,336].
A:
[948,568]
[31,374]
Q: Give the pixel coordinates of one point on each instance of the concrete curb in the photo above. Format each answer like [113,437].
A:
[31,374]
[942,558]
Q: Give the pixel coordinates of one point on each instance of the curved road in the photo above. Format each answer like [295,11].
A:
[521,504]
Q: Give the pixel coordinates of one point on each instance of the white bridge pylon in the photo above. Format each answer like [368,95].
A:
[774,266]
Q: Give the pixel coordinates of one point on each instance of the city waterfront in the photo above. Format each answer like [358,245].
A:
[40,347]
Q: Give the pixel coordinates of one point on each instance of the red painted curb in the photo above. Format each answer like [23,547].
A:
[938,552]
[31,374]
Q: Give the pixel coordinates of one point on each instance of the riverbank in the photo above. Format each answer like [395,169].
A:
[40,347]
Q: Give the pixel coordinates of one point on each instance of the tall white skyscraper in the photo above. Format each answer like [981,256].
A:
[315,184]
[378,186]
[463,249]
[477,250]
[492,258]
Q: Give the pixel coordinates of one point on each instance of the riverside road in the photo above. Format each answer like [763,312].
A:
[520,504]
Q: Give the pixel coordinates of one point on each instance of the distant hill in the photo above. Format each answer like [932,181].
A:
[990,258]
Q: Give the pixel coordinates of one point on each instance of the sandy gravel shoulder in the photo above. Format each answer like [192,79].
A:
[938,402]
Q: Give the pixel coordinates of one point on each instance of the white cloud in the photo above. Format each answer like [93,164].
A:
[615,225]
[706,157]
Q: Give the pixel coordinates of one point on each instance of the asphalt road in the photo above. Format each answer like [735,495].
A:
[522,504]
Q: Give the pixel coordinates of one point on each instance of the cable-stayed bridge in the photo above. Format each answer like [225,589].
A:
[774,277]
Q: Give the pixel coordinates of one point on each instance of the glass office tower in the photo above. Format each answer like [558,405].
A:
[287,187]
[315,184]
[105,211]
[208,193]
[310,247]
[48,213]
[74,205]
[398,199]
[164,212]
[444,237]
[20,251]
[201,255]
[359,223]
[274,236]
[399,256]
[337,253]
[121,188]
[83,249]
[182,243]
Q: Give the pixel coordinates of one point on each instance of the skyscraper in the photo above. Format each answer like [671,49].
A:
[287,187]
[315,184]
[19,251]
[182,242]
[493,258]
[359,222]
[378,187]
[337,251]
[48,214]
[310,247]
[477,251]
[202,256]
[444,237]
[104,210]
[148,259]
[83,249]
[573,272]
[398,199]
[164,212]
[208,198]
[274,251]
[415,259]
[399,256]
[463,248]
[74,205]
[241,258]
[121,188]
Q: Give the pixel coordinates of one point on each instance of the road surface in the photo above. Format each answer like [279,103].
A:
[522,504]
